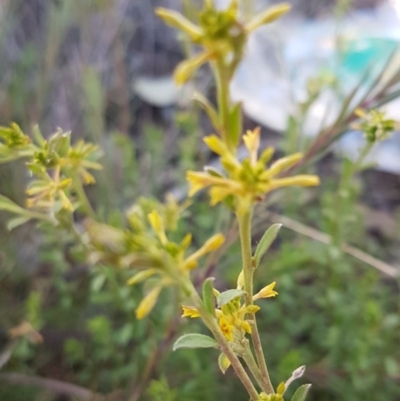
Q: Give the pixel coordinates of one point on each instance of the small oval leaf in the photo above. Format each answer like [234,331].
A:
[301,393]
[194,340]
[228,296]
[208,295]
[266,241]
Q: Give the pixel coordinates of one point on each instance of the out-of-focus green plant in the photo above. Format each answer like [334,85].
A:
[153,245]
[60,171]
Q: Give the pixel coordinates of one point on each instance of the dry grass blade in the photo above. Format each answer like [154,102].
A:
[326,239]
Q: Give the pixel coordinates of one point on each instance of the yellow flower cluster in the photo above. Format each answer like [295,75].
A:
[249,180]
[232,316]
[163,260]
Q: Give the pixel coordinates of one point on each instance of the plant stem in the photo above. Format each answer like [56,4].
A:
[224,345]
[248,269]
[222,81]
[83,199]
[252,364]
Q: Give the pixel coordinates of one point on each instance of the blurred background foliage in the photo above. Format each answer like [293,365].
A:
[80,65]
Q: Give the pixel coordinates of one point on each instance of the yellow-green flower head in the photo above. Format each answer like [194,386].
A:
[82,157]
[375,125]
[247,181]
[220,33]
[164,261]
[231,319]
[13,137]
[48,193]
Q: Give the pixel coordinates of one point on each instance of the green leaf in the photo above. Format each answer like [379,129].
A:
[301,393]
[235,124]
[266,241]
[10,206]
[228,296]
[194,340]
[208,295]
[17,221]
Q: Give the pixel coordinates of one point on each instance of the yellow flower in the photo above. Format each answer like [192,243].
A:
[267,292]
[190,311]
[82,157]
[157,257]
[249,180]
[210,245]
[231,318]
[226,328]
[43,194]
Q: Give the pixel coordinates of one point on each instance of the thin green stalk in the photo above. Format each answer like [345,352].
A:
[224,345]
[248,269]
[251,363]
[83,199]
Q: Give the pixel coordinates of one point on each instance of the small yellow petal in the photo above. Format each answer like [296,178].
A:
[213,243]
[197,181]
[158,225]
[246,326]
[266,292]
[190,311]
[295,181]
[252,142]
[185,243]
[210,245]
[283,164]
[177,20]
[251,309]
[216,145]
[185,69]
[281,388]
[147,303]
[269,15]
[141,276]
